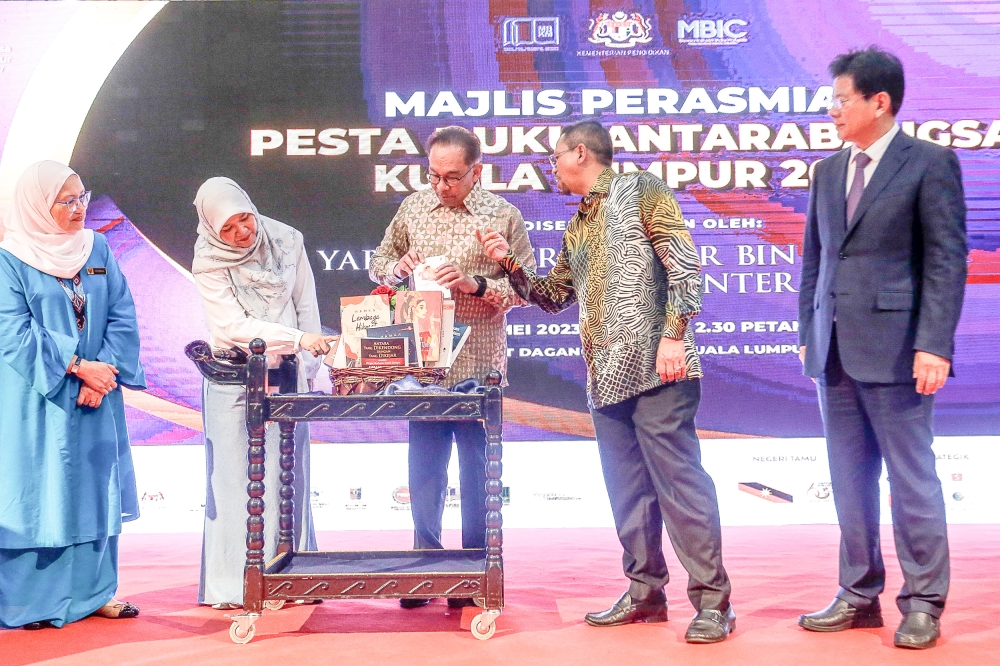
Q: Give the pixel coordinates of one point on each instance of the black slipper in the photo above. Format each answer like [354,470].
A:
[35,626]
[122,610]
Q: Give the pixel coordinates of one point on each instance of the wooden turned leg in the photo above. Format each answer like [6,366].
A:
[494,487]
[286,520]
[253,572]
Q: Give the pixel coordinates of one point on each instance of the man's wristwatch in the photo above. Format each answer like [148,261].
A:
[481,281]
[75,368]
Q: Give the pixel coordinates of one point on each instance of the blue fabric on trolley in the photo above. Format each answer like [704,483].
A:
[57,584]
[409,385]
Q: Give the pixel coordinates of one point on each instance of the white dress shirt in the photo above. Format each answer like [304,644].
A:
[875,152]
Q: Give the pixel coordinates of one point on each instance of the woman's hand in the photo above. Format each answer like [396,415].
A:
[89,397]
[98,376]
[317,344]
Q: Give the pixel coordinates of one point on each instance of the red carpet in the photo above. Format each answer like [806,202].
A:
[553,578]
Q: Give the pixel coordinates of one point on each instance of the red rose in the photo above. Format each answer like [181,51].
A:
[382,289]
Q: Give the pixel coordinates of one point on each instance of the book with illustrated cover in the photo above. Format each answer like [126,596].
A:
[423,308]
[382,352]
[408,331]
[357,315]
[458,337]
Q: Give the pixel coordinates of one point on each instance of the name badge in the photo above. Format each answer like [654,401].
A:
[99,270]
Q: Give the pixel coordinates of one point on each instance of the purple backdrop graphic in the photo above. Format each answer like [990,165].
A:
[720,58]
[320,111]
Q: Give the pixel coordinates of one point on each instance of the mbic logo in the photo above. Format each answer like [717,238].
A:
[711,32]
[530,34]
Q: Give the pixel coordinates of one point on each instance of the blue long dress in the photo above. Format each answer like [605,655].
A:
[66,476]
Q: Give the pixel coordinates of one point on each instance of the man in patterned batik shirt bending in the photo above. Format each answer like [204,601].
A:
[444,220]
[630,263]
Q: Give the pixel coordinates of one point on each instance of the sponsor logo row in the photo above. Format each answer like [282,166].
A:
[401,496]
[820,490]
[823,491]
[619,33]
[817,491]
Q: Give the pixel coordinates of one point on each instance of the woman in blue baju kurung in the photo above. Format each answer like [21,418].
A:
[68,339]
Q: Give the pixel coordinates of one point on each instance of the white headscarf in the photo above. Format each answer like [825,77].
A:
[32,235]
[262,275]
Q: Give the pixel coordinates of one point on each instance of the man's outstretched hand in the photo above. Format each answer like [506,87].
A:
[494,245]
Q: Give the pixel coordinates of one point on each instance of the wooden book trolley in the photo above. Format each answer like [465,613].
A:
[407,574]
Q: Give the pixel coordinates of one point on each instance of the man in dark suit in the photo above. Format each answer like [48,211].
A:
[883,278]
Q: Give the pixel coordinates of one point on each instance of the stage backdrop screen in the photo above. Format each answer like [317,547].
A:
[321,110]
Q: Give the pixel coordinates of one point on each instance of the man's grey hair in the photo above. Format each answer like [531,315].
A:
[461,137]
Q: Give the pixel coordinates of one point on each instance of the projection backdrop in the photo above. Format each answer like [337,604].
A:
[320,111]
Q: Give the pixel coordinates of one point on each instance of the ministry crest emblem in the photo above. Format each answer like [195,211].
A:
[620,30]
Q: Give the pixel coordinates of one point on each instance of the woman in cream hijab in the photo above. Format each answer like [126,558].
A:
[256,282]
[68,339]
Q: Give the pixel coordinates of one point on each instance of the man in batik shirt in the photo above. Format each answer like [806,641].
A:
[630,263]
[445,220]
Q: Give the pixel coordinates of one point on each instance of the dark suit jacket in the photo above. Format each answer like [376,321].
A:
[895,274]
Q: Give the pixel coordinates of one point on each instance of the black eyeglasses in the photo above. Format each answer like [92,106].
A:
[449,181]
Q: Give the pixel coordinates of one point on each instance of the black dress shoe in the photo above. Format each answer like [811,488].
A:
[628,610]
[461,603]
[917,631]
[841,615]
[35,626]
[711,626]
[413,603]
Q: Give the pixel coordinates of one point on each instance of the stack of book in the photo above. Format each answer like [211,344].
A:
[422,333]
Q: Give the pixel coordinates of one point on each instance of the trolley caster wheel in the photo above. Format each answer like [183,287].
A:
[275,604]
[239,636]
[484,626]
